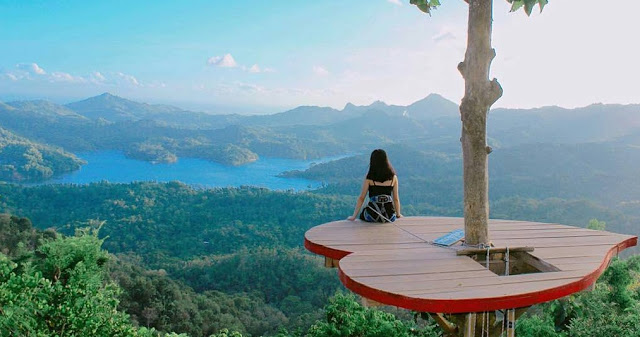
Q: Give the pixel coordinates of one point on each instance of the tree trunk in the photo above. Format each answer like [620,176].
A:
[480,94]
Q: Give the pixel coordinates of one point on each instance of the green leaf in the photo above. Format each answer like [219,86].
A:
[425,8]
[542,3]
[515,5]
[425,5]
[528,6]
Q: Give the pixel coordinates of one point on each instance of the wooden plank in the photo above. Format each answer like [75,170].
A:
[369,241]
[355,264]
[565,234]
[490,291]
[447,268]
[380,246]
[415,258]
[423,278]
[560,242]
[551,252]
[445,285]
[567,266]
[575,259]
[423,249]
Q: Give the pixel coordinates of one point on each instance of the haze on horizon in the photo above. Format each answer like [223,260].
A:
[267,57]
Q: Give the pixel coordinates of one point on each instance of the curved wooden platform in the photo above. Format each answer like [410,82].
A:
[395,263]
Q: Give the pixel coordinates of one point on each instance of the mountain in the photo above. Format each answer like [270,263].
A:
[429,108]
[44,108]
[117,109]
[356,110]
[161,133]
[593,123]
[302,115]
[374,128]
[432,107]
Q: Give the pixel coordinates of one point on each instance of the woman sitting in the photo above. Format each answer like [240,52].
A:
[381,183]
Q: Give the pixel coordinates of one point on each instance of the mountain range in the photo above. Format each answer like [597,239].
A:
[162,133]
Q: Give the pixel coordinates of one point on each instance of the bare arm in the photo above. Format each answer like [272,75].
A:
[363,194]
[396,197]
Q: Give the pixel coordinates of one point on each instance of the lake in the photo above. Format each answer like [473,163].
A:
[114,167]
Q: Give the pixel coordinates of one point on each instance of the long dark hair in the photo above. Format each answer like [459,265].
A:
[380,168]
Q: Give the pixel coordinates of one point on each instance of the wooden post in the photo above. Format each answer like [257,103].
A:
[470,325]
[448,327]
[330,263]
[511,323]
[368,303]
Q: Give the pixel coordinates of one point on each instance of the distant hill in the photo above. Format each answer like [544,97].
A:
[432,107]
[302,115]
[593,123]
[358,110]
[161,133]
[44,108]
[117,109]
[22,160]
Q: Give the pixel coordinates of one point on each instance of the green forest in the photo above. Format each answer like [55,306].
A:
[151,259]
[169,259]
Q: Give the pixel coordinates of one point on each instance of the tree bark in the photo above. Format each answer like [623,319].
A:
[480,94]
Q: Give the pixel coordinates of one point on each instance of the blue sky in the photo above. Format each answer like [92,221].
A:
[266,56]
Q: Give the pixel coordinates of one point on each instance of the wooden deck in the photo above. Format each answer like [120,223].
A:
[396,263]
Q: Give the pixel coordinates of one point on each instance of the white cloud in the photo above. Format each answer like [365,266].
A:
[129,79]
[33,68]
[255,69]
[58,76]
[251,87]
[320,71]
[444,35]
[97,77]
[225,61]
[395,2]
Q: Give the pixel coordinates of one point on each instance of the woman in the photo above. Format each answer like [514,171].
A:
[381,183]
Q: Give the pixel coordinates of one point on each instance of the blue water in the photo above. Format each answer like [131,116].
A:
[113,166]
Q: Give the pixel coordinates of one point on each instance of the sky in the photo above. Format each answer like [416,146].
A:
[268,56]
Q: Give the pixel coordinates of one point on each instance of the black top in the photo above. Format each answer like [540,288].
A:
[375,190]
[380,190]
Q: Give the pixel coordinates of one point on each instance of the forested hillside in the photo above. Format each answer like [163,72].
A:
[160,133]
[25,161]
[259,288]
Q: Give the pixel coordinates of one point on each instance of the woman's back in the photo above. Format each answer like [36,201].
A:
[381,184]
[376,189]
[380,209]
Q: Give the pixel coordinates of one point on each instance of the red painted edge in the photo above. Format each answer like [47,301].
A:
[335,254]
[467,305]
